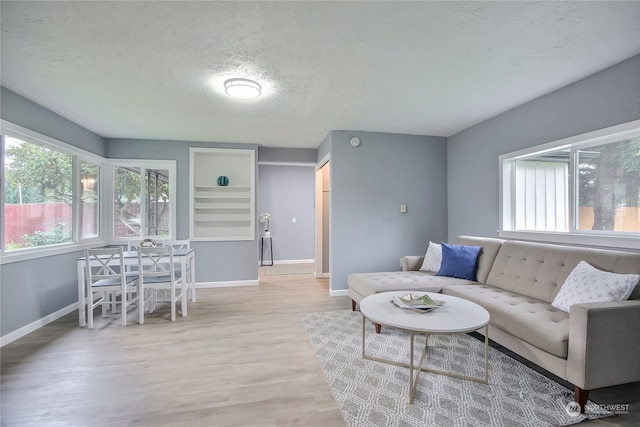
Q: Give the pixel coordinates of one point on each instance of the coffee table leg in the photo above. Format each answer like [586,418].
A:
[363,355]
[413,381]
[412,367]
[486,354]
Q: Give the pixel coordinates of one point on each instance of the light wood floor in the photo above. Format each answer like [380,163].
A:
[240,358]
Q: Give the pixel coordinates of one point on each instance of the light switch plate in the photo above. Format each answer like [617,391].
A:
[403,208]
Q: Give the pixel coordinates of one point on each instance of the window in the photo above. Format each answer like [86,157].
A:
[542,192]
[586,187]
[55,197]
[42,178]
[126,206]
[608,192]
[142,199]
[157,186]
[38,195]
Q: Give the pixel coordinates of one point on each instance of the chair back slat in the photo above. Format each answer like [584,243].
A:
[103,263]
[156,262]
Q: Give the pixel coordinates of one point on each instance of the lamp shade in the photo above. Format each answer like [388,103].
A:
[242,88]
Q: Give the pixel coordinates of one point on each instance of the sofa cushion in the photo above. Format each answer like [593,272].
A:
[532,320]
[459,261]
[490,248]
[588,284]
[433,258]
[365,284]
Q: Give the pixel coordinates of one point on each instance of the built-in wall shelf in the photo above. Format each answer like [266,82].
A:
[222,212]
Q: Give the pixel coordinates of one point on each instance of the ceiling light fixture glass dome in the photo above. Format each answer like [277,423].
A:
[242,88]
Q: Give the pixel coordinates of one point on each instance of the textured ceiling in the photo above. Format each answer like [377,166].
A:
[154,69]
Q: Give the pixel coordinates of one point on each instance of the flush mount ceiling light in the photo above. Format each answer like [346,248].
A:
[242,88]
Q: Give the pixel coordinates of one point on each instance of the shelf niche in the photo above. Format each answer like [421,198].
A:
[222,212]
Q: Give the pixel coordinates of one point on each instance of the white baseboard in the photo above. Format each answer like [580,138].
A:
[202,285]
[339,293]
[33,326]
[292,261]
[295,261]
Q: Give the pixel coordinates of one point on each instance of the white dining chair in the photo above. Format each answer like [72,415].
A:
[177,244]
[157,271]
[188,273]
[106,279]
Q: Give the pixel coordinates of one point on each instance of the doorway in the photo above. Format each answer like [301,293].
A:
[322,220]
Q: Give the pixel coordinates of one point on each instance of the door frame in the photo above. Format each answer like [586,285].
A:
[319,226]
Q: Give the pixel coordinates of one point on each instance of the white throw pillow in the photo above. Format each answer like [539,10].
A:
[588,284]
[433,258]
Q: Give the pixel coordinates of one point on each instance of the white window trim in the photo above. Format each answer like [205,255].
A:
[80,154]
[100,162]
[106,235]
[505,196]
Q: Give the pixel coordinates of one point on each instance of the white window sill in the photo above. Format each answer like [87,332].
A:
[34,253]
[608,241]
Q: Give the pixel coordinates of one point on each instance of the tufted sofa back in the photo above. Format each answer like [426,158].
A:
[538,270]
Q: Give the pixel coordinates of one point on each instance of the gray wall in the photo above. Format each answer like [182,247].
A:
[368,184]
[605,99]
[324,148]
[215,261]
[286,185]
[287,191]
[287,155]
[33,289]
[28,114]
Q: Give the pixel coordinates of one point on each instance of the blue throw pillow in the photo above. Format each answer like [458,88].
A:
[459,261]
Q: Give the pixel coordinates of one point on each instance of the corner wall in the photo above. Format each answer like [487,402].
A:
[23,112]
[215,261]
[368,183]
[33,290]
[605,99]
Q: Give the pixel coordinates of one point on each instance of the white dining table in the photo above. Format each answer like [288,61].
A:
[186,257]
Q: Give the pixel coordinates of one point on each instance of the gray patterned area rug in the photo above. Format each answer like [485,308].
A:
[372,394]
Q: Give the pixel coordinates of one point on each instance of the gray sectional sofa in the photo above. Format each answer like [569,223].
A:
[596,345]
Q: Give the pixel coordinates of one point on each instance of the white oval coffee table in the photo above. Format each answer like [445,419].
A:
[456,316]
